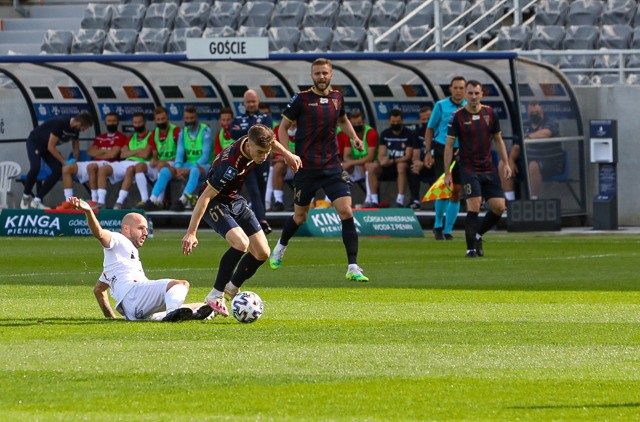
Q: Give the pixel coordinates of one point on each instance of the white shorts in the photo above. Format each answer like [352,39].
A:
[144,299]
[119,170]
[358,174]
[83,174]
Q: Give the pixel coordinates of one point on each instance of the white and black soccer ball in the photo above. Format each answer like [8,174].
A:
[247,307]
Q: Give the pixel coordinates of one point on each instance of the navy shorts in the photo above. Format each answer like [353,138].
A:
[486,185]
[306,183]
[438,162]
[223,217]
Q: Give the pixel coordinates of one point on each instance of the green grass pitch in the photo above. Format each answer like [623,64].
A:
[544,327]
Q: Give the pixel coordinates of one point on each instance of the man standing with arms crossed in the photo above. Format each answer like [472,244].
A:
[318,111]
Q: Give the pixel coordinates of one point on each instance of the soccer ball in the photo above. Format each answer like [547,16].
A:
[247,307]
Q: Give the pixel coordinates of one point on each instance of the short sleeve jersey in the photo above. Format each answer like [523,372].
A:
[245,121]
[417,142]
[317,117]
[540,151]
[475,133]
[107,141]
[58,126]
[396,144]
[121,267]
[439,120]
[229,170]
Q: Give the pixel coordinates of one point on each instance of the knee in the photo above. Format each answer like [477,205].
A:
[165,171]
[184,283]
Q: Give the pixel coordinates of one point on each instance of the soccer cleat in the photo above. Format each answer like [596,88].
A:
[479,248]
[191,200]
[38,205]
[218,304]
[275,259]
[438,234]
[266,228]
[471,254]
[117,206]
[149,205]
[277,207]
[140,205]
[448,236]
[370,205]
[65,205]
[356,275]
[179,314]
[322,204]
[203,312]
[25,203]
[178,206]
[94,205]
[415,205]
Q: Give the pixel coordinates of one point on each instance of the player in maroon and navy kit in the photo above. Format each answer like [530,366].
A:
[318,112]
[226,211]
[476,126]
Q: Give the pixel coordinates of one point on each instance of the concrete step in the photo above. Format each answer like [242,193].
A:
[22,37]
[58,11]
[28,49]
[30,24]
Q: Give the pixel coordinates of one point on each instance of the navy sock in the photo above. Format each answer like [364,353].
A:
[470,229]
[228,263]
[288,230]
[490,220]
[247,267]
[350,239]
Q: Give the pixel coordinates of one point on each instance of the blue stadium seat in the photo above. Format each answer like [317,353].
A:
[160,15]
[423,17]
[315,39]
[585,12]
[288,14]
[223,14]
[452,9]
[354,13]
[192,15]
[97,16]
[349,39]
[57,42]
[513,38]
[178,39]
[256,14]
[619,12]
[386,13]
[551,12]
[88,41]
[153,40]
[128,16]
[120,41]
[321,14]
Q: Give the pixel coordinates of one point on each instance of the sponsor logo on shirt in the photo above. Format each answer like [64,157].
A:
[231,173]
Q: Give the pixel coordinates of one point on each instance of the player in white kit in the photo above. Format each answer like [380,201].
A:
[136,297]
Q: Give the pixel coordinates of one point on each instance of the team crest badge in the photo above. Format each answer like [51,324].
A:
[335,103]
[230,173]
[487,119]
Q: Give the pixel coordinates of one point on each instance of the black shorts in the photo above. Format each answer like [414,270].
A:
[486,185]
[438,164]
[335,184]
[223,217]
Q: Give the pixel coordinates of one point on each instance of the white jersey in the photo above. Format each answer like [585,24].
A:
[122,266]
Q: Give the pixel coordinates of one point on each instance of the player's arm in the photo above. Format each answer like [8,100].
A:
[292,160]
[448,157]
[75,147]
[112,153]
[283,134]
[347,128]
[94,152]
[190,241]
[180,153]
[53,149]
[100,291]
[502,153]
[383,158]
[103,236]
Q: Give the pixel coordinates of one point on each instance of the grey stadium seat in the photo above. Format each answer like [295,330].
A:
[219,32]
[578,78]
[288,14]
[512,38]
[575,61]
[142,2]
[580,37]
[252,31]
[448,35]
[481,8]
[410,34]
[619,12]
[88,41]
[354,13]
[547,37]
[256,14]
[615,36]
[451,9]
[423,17]
[160,15]
[283,39]
[315,39]
[153,40]
[128,16]
[192,15]
[321,14]
[386,13]
[606,61]
[551,12]
[178,39]
[349,38]
[120,41]
[97,16]
[635,38]
[585,12]
[176,2]
[57,42]
[388,43]
[224,14]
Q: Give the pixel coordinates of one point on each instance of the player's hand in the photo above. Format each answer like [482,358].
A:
[79,204]
[358,144]
[182,174]
[189,241]
[416,166]
[507,171]
[428,160]
[514,168]
[448,180]
[294,162]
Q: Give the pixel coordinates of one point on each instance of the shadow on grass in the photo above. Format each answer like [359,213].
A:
[21,322]
[579,406]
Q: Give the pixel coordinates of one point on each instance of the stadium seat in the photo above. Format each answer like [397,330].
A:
[192,15]
[252,31]
[451,9]
[256,14]
[449,34]
[219,32]
[57,42]
[585,12]
[321,14]
[575,61]
[551,12]
[615,36]
[547,37]
[410,34]
[223,14]
[513,38]
[349,38]
[283,39]
[175,2]
[120,41]
[97,16]
[578,78]
[288,14]
[354,13]
[481,7]
[423,17]
[388,43]
[619,12]
[580,37]
[386,13]
[153,40]
[128,16]
[315,39]
[607,61]
[145,3]
[178,39]
[635,38]
[605,79]
[88,41]
[9,170]
[160,15]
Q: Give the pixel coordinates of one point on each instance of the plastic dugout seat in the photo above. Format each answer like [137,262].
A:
[219,32]
[423,17]
[192,15]
[97,16]
[9,170]
[315,39]
[128,16]
[256,14]
[551,12]
[224,14]
[57,42]
[565,178]
[152,40]
[585,12]
[349,39]
[386,13]
[88,41]
[288,14]
[120,41]
[388,43]
[513,38]
[619,12]
[45,171]
[354,13]
[178,39]
[451,9]
[160,15]
[252,31]
[283,39]
[321,13]
[410,34]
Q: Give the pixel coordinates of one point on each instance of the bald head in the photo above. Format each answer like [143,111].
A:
[251,101]
[134,227]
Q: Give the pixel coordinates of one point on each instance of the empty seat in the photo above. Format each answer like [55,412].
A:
[410,34]
[584,12]
[422,17]
[160,15]
[386,13]
[256,13]
[252,31]
[605,79]
[219,32]
[615,36]
[452,9]
[349,38]
[580,37]
[288,14]
[635,38]
[178,40]
[142,2]
[128,16]
[578,78]
[449,43]
[120,41]
[354,13]
[176,2]
[607,61]
[551,12]
[192,15]
[283,39]
[321,14]
[88,41]
[575,61]
[315,39]
[619,12]
[224,14]
[547,37]
[513,38]
[388,43]
[57,42]
[485,18]
[97,16]
[153,40]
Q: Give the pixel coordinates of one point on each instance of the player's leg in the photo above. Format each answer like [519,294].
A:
[373,174]
[453,205]
[440,206]
[68,171]
[50,181]
[492,190]
[401,183]
[141,181]
[472,190]
[92,174]
[126,172]
[32,175]
[104,173]
[535,179]
[258,252]
[279,174]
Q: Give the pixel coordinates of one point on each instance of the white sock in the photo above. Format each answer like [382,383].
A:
[269,191]
[368,188]
[352,268]
[278,195]
[231,288]
[141,181]
[374,198]
[94,195]
[213,294]
[68,192]
[122,196]
[400,199]
[534,197]
[37,200]
[102,196]
[175,296]
[510,196]
[326,198]
[153,198]
[161,197]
